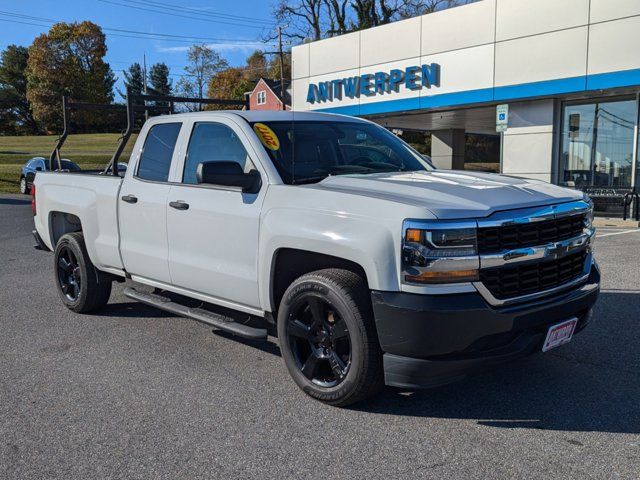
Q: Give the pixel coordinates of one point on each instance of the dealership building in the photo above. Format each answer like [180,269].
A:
[559,78]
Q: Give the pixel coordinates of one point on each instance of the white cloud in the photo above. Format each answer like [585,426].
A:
[241,46]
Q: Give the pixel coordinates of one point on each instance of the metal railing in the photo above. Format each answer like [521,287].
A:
[135,103]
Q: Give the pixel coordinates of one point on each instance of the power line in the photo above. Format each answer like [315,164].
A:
[126,33]
[190,17]
[201,12]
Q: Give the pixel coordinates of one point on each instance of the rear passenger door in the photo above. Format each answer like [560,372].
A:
[213,231]
[142,206]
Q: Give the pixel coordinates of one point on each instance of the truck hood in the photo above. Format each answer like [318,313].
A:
[451,194]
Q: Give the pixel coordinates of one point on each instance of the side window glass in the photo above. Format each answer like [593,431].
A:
[155,160]
[213,142]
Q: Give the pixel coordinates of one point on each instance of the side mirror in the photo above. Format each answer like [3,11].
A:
[38,169]
[228,174]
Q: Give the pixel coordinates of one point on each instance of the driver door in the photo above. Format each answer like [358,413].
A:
[213,230]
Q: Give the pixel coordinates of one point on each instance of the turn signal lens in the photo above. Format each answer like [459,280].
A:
[413,235]
[444,277]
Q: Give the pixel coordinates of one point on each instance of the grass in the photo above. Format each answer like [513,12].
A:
[87,150]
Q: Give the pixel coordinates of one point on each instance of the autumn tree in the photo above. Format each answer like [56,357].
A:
[15,111]
[257,65]
[68,60]
[229,84]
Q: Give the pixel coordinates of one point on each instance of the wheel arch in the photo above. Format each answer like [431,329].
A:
[61,223]
[291,263]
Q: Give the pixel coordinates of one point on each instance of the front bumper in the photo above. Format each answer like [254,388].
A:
[431,340]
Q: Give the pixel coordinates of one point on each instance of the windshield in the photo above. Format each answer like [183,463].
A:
[308,152]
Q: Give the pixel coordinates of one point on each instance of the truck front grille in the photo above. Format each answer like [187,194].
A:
[509,282]
[508,237]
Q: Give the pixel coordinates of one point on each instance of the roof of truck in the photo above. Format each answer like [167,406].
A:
[272,115]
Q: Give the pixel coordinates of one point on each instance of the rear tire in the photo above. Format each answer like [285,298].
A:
[328,337]
[82,287]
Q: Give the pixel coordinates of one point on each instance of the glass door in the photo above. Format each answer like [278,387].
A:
[598,150]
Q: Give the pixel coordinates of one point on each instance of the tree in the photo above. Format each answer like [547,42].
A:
[229,84]
[317,19]
[68,60]
[257,65]
[204,63]
[303,18]
[133,80]
[15,111]
[159,79]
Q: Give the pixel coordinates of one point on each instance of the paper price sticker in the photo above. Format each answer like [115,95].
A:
[267,136]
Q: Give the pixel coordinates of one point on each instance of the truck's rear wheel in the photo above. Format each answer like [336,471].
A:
[328,338]
[81,286]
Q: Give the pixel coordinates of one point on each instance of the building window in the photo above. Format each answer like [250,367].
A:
[597,150]
[262,97]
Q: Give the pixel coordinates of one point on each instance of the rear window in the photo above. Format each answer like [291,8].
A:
[155,160]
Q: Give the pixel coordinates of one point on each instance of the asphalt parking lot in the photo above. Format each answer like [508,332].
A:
[136,393]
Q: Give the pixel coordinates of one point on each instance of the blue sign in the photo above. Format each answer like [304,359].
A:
[379,83]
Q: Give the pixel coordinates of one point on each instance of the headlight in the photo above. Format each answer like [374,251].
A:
[588,218]
[439,252]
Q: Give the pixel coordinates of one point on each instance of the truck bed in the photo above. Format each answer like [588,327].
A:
[87,198]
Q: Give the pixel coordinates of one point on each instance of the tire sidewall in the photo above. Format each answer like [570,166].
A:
[72,244]
[322,289]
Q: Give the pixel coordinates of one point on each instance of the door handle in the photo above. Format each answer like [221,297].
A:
[130,199]
[179,205]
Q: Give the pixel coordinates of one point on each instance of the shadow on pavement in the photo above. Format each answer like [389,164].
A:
[132,309]
[14,201]
[592,385]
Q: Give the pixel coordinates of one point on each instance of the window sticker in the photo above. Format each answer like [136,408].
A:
[267,136]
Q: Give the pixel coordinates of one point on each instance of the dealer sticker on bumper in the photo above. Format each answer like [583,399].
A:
[559,334]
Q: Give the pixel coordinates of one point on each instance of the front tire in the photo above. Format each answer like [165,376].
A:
[24,189]
[328,337]
[82,287]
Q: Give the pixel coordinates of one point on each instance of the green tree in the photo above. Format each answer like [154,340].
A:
[229,84]
[15,111]
[133,80]
[68,60]
[159,79]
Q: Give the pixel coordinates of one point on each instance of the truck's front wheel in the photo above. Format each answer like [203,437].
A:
[81,286]
[328,338]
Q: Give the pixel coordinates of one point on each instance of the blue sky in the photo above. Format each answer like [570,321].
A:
[233,28]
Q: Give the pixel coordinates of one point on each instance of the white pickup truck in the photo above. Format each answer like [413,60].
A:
[367,263]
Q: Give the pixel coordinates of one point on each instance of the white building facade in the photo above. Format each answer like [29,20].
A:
[569,71]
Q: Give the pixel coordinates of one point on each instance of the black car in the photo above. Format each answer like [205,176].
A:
[40,164]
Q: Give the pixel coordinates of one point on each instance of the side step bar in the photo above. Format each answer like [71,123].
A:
[216,320]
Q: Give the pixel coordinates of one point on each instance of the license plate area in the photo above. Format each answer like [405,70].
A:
[559,334]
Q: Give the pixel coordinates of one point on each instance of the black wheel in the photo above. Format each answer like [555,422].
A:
[328,338]
[81,286]
[24,188]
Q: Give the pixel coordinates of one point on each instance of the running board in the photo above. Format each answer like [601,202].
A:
[216,320]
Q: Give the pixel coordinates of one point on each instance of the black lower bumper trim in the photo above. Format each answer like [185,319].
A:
[431,340]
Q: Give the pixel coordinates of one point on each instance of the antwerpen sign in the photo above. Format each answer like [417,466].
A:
[371,84]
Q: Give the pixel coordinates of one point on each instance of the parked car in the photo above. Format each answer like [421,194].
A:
[40,164]
[371,268]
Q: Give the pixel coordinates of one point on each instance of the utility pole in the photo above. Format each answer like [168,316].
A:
[281,54]
[144,83]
